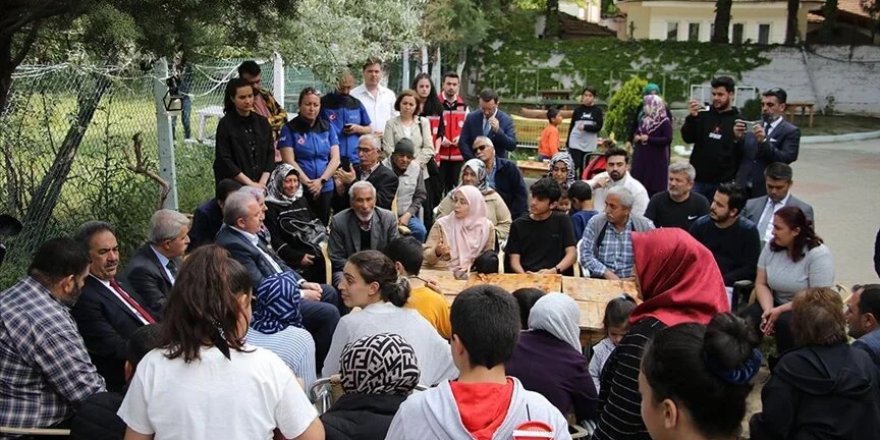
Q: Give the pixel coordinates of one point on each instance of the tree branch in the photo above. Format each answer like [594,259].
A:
[26,44]
[142,167]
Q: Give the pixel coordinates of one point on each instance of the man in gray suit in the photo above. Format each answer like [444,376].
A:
[778,178]
[361,227]
[774,140]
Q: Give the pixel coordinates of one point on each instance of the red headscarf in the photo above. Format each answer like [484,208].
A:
[678,278]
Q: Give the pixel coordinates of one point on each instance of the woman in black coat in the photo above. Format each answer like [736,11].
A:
[295,230]
[372,392]
[243,149]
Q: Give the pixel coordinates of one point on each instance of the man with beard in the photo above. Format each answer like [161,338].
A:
[616,175]
[732,238]
[109,311]
[370,169]
[606,249]
[716,136]
[361,227]
[862,313]
[679,206]
[348,117]
[46,369]
[773,140]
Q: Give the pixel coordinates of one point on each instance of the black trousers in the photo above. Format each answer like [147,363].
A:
[449,174]
[782,328]
[320,319]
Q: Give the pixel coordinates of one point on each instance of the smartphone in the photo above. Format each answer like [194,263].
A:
[345,163]
[347,127]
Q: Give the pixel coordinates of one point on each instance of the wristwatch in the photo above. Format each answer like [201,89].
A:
[557,269]
[323,181]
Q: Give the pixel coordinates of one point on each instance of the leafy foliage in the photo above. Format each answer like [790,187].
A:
[622,107]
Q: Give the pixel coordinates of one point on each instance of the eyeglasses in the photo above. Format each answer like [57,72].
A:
[480,148]
[364,149]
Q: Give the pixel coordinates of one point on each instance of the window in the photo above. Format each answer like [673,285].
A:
[693,31]
[737,33]
[672,31]
[763,34]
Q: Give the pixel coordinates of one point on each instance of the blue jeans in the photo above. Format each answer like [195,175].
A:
[707,189]
[418,229]
[185,114]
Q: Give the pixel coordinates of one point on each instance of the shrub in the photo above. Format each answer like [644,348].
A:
[622,108]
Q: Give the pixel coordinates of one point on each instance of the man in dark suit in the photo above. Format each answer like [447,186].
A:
[779,178]
[490,122]
[243,219]
[208,217]
[504,177]
[361,227]
[371,170]
[108,312]
[152,270]
[775,140]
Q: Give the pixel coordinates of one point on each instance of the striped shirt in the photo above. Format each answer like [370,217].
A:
[294,346]
[44,367]
[619,400]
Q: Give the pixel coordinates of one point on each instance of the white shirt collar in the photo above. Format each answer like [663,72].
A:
[775,123]
[163,260]
[251,237]
[781,202]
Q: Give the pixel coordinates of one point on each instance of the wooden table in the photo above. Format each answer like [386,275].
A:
[555,94]
[533,169]
[804,107]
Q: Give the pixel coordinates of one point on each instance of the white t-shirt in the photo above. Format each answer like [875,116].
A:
[244,398]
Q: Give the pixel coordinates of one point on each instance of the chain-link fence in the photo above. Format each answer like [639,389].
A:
[79,143]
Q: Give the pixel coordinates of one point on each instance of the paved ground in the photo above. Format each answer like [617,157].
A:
[842,182]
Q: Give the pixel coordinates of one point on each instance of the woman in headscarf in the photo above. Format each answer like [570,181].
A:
[294,229]
[473,173]
[457,240]
[651,145]
[378,372]
[548,357]
[277,325]
[678,282]
[562,169]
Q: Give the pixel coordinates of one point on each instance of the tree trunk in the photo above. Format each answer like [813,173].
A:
[829,11]
[45,197]
[722,21]
[552,29]
[6,69]
[791,27]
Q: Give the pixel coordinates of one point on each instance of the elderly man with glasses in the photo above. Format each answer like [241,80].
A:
[503,176]
[369,169]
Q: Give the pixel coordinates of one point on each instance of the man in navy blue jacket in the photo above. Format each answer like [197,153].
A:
[504,177]
[490,122]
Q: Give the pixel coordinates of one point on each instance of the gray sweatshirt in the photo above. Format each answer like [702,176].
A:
[433,414]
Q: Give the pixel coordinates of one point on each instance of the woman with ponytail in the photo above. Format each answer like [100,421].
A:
[371,283]
[204,381]
[695,379]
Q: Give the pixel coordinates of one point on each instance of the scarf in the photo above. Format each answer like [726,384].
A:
[379,364]
[678,278]
[466,237]
[564,157]
[653,114]
[479,168]
[275,190]
[557,314]
[277,304]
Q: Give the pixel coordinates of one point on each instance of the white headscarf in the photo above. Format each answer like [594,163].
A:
[557,314]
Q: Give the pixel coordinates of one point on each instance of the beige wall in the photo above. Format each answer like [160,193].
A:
[652,18]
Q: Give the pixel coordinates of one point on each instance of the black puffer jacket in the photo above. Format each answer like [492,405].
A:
[96,418]
[361,416]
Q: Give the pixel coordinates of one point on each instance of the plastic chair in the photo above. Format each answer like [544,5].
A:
[327,390]
[577,261]
[328,265]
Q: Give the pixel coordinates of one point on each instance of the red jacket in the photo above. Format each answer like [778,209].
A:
[450,123]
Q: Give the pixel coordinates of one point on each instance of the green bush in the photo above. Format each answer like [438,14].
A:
[751,110]
[622,108]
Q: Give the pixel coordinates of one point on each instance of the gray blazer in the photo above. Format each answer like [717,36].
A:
[345,236]
[755,207]
[782,145]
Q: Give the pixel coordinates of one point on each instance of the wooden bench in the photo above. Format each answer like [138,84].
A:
[805,109]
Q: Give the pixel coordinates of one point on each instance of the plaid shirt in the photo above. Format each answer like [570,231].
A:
[615,253]
[44,367]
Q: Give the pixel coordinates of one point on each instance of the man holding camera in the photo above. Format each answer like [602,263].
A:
[717,135]
[772,140]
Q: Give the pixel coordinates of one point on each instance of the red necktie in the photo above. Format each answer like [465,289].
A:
[115,285]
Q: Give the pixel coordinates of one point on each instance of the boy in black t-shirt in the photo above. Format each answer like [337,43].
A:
[543,241]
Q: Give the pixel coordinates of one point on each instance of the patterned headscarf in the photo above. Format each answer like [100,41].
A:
[653,114]
[275,188]
[379,364]
[479,168]
[276,305]
[563,156]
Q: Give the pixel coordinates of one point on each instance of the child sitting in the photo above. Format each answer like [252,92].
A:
[615,324]
[581,196]
[483,403]
[548,144]
[564,205]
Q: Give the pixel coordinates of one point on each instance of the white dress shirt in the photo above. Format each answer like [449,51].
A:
[122,300]
[770,210]
[379,107]
[163,261]
[255,241]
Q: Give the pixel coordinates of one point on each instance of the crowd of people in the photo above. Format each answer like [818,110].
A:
[308,263]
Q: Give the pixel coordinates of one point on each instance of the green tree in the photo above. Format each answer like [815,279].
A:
[872,8]
[791,22]
[622,107]
[722,21]
[829,11]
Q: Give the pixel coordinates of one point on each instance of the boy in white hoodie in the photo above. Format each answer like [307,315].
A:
[483,403]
